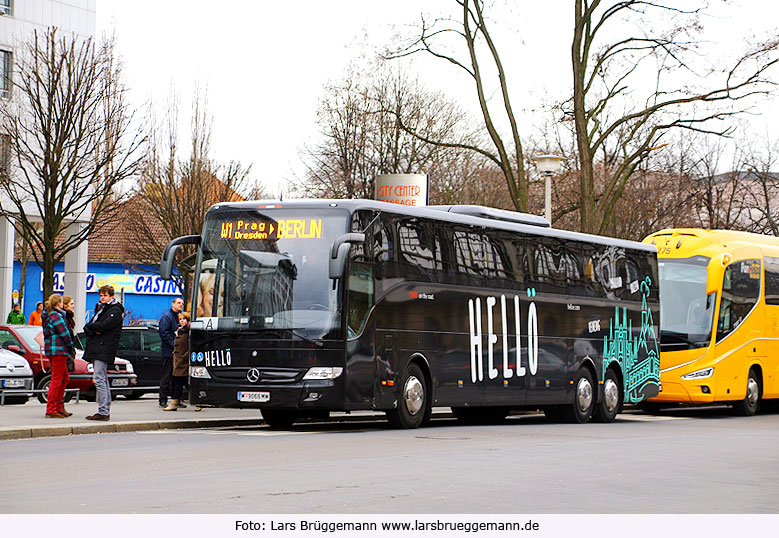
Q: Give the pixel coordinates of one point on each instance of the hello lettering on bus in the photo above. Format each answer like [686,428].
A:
[477,338]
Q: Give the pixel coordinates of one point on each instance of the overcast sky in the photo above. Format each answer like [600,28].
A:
[265,63]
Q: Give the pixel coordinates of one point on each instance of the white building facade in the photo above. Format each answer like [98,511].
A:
[19,19]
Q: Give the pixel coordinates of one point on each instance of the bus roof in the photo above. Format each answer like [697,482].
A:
[470,214]
[714,240]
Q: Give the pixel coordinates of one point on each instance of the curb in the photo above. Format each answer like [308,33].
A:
[121,427]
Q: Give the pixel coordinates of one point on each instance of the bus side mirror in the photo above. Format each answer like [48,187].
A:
[169,254]
[340,253]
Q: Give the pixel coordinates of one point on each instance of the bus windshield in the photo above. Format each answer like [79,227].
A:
[268,270]
[686,312]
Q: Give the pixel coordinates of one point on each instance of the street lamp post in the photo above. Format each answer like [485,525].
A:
[548,165]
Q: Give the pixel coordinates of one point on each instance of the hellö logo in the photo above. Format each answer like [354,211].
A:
[477,357]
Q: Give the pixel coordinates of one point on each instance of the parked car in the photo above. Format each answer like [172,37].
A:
[142,347]
[15,375]
[20,339]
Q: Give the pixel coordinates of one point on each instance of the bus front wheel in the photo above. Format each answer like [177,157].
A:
[748,406]
[583,399]
[413,404]
[279,419]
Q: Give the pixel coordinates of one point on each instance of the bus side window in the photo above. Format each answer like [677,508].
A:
[740,292]
[771,281]
[361,293]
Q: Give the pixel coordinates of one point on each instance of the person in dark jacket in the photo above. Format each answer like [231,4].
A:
[169,322]
[180,361]
[103,332]
[69,307]
[58,344]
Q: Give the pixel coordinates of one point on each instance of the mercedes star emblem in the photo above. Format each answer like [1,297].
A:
[253,375]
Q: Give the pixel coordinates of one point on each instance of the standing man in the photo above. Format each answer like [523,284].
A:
[169,322]
[37,315]
[103,332]
[15,316]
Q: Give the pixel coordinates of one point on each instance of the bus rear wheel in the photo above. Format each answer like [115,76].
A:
[413,405]
[583,399]
[279,419]
[607,408]
[748,406]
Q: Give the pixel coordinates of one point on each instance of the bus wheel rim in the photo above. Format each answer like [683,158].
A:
[611,395]
[584,394]
[414,395]
[752,392]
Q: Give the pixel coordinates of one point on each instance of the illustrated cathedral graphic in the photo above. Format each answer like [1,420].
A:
[637,355]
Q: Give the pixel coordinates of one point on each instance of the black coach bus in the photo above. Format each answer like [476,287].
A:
[311,306]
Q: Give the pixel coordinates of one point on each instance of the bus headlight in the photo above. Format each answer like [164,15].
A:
[699,374]
[199,371]
[323,373]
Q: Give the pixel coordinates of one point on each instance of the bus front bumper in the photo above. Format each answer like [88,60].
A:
[681,391]
[314,395]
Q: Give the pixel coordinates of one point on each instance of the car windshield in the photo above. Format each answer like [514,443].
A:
[686,312]
[268,270]
[28,334]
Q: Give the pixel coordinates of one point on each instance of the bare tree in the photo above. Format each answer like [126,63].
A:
[71,142]
[470,28]
[173,194]
[757,186]
[362,121]
[617,125]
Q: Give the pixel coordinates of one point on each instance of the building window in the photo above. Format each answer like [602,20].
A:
[5,72]
[6,7]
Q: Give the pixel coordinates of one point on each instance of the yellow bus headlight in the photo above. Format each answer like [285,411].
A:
[699,374]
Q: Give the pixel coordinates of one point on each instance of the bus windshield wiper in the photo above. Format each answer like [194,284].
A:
[295,332]
[680,336]
[317,343]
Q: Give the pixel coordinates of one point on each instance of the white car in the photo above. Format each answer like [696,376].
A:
[15,376]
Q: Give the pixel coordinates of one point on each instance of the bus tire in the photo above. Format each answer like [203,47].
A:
[580,411]
[413,403]
[611,403]
[749,405]
[278,419]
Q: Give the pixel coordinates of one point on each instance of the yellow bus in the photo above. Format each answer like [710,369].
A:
[719,317]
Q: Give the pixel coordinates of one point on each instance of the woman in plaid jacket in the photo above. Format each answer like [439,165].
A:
[58,345]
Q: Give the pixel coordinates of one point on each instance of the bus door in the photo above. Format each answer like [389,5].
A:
[363,345]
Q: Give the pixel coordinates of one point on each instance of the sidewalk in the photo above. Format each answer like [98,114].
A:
[26,421]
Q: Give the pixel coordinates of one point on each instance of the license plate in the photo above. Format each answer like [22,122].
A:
[254,396]
[13,383]
[120,382]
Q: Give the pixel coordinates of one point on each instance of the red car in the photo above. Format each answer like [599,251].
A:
[21,339]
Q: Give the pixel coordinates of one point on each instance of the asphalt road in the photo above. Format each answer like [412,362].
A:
[695,461]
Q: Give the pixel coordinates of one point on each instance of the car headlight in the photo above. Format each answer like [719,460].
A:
[699,374]
[90,368]
[199,371]
[130,368]
[320,372]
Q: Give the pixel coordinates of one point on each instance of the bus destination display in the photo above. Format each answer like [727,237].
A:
[242,229]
